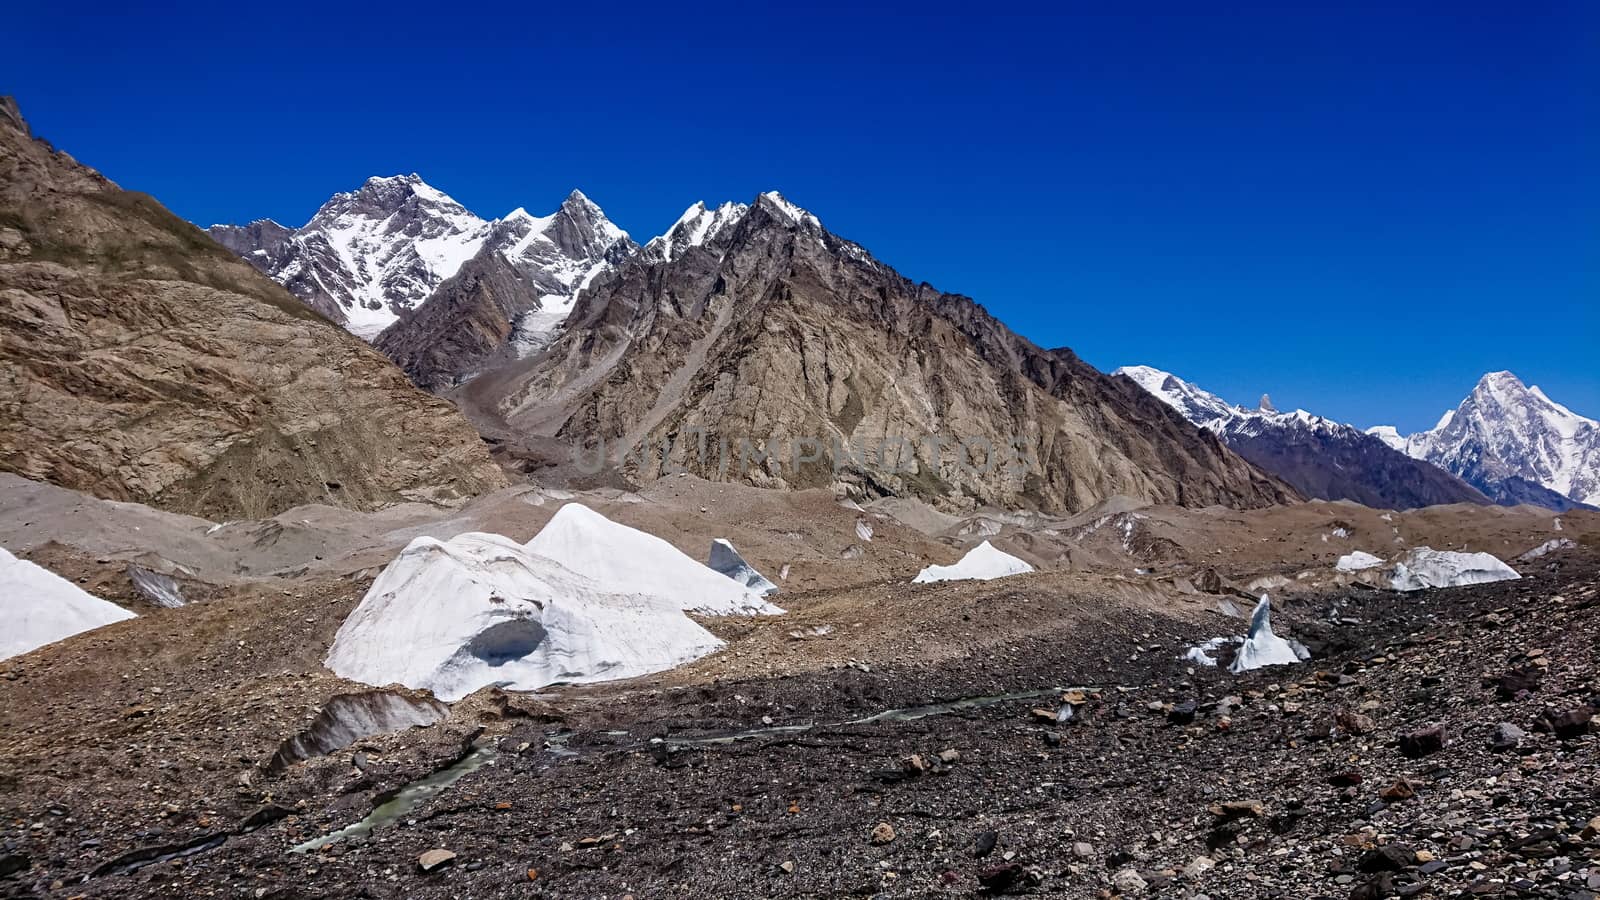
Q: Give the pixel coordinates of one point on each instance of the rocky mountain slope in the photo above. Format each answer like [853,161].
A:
[1513,443]
[753,330]
[371,255]
[508,300]
[140,360]
[1321,458]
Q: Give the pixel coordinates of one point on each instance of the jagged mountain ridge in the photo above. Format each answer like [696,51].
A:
[141,361]
[370,256]
[1514,443]
[758,323]
[1321,458]
[508,300]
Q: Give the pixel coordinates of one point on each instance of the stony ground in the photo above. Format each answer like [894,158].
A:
[1436,746]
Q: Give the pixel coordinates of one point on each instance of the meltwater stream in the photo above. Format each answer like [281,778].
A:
[406,799]
[423,789]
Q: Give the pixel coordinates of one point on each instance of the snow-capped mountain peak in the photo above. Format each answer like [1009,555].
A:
[1198,406]
[366,255]
[563,251]
[790,211]
[1510,439]
[1389,435]
[695,228]
[370,255]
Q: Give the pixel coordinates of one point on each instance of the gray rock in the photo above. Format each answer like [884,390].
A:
[1506,737]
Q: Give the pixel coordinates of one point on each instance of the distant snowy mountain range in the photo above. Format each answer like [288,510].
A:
[448,295]
[1319,457]
[1513,443]
[1506,444]
[372,255]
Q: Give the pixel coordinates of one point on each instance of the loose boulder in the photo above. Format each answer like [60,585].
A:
[347,718]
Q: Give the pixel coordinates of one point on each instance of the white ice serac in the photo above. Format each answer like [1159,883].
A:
[40,607]
[1261,646]
[983,562]
[1424,567]
[479,610]
[586,600]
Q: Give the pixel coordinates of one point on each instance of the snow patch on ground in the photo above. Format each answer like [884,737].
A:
[1549,546]
[1424,567]
[981,563]
[1200,654]
[40,607]
[1357,561]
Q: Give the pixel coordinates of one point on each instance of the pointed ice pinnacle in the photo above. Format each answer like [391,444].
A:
[1266,404]
[726,560]
[1263,648]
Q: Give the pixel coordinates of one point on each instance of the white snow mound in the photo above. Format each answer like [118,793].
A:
[1262,647]
[1200,654]
[1424,567]
[1357,561]
[1549,546]
[725,560]
[629,561]
[40,607]
[478,610]
[982,562]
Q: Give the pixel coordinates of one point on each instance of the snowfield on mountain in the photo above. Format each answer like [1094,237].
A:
[371,256]
[1320,457]
[40,607]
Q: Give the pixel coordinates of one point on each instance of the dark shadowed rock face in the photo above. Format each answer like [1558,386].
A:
[466,321]
[1344,464]
[760,325]
[140,360]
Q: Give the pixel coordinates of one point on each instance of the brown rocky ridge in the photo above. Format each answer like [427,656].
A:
[139,360]
[776,332]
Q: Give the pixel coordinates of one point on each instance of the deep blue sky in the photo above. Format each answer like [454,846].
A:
[1359,210]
